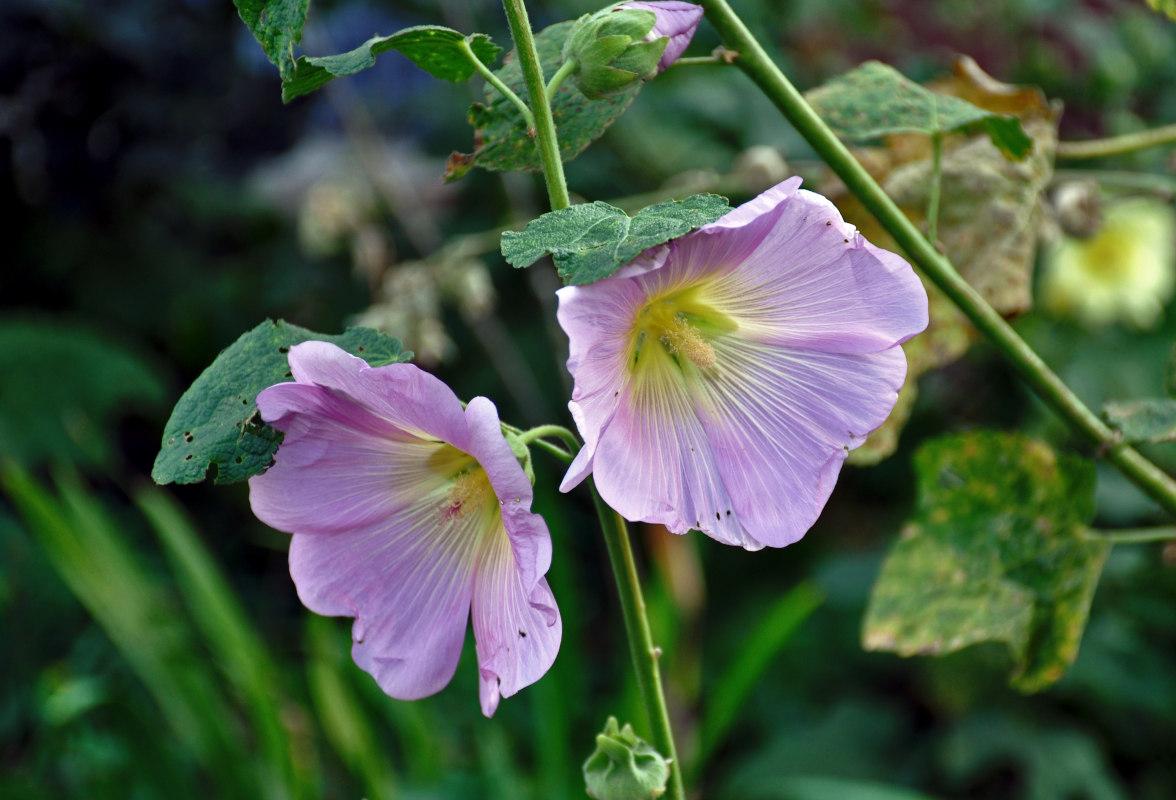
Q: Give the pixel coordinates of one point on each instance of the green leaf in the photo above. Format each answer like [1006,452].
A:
[874,100]
[1164,7]
[593,240]
[1148,419]
[214,423]
[439,51]
[64,386]
[277,26]
[997,551]
[503,142]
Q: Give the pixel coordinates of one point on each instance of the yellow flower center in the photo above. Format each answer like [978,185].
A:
[677,327]
[469,490]
[469,493]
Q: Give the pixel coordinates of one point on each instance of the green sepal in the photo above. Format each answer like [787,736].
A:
[624,766]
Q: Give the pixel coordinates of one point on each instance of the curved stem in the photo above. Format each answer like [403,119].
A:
[565,69]
[1117,145]
[537,434]
[755,62]
[553,174]
[645,654]
[497,83]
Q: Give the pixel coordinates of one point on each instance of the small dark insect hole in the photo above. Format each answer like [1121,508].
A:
[289,375]
[238,459]
[187,436]
[717,516]
[523,634]
[188,457]
[283,349]
[360,349]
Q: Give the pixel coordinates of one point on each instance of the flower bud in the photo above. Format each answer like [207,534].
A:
[620,45]
[624,767]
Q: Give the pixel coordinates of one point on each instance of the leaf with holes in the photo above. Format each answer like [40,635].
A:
[441,52]
[593,240]
[997,551]
[277,26]
[502,141]
[874,100]
[215,426]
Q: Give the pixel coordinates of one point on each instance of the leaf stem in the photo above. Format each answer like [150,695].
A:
[565,69]
[936,183]
[645,654]
[1134,535]
[758,66]
[549,156]
[1118,145]
[497,83]
[537,434]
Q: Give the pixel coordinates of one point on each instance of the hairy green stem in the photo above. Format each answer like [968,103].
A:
[645,654]
[1117,145]
[497,83]
[524,40]
[561,74]
[758,66]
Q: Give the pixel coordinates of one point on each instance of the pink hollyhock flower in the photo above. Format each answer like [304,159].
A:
[722,379]
[408,513]
[675,20]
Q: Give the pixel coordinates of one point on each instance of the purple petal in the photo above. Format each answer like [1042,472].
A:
[408,582]
[781,423]
[516,626]
[676,20]
[349,457]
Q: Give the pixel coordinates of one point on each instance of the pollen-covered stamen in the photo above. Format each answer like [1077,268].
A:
[469,494]
[680,337]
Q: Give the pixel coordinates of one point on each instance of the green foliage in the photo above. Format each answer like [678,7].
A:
[1164,7]
[825,788]
[63,387]
[277,26]
[1147,419]
[441,52]
[593,240]
[874,100]
[735,686]
[86,548]
[997,551]
[214,423]
[503,142]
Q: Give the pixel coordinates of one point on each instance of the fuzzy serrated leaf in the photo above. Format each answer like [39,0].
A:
[593,240]
[214,425]
[875,100]
[997,551]
[502,140]
[1147,419]
[277,26]
[437,50]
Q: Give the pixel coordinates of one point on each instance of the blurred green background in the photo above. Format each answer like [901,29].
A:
[159,200]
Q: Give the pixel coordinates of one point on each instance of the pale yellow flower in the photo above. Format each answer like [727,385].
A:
[1125,272]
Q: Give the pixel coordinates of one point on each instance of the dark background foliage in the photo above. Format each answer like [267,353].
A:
[159,200]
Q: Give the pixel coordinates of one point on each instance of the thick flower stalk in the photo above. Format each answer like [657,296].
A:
[721,380]
[410,514]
